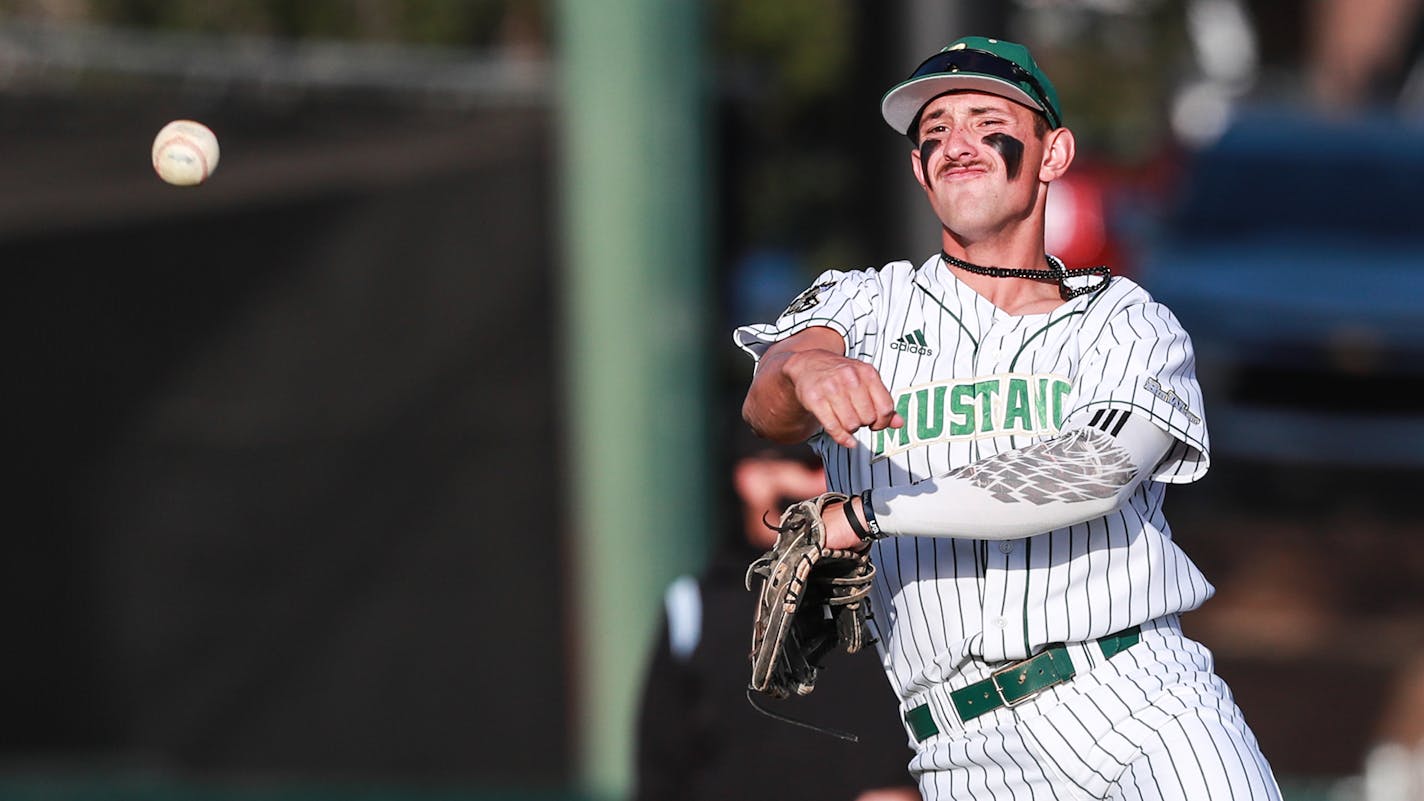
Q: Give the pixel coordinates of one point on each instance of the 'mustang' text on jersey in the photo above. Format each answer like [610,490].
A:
[972,381]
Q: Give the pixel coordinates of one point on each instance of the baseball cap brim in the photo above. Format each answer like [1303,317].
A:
[973,64]
[902,103]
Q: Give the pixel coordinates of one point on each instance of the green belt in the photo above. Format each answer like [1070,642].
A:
[1010,685]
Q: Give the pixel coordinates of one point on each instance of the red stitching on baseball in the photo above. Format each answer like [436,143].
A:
[203,159]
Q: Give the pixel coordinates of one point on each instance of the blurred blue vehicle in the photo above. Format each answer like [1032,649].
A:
[1294,254]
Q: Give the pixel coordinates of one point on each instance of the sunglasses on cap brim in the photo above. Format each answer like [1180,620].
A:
[984,63]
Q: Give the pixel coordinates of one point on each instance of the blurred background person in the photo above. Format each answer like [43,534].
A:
[698,737]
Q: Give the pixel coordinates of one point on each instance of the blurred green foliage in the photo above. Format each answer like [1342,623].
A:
[785,69]
[805,44]
[434,22]
[1115,71]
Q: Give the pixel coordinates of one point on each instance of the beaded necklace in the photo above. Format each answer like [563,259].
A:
[1057,273]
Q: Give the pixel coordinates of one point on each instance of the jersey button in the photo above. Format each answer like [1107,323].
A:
[1005,546]
[1000,623]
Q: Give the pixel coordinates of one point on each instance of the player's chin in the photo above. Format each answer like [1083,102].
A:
[972,217]
[967,204]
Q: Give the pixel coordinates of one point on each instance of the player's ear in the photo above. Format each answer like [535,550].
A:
[1058,150]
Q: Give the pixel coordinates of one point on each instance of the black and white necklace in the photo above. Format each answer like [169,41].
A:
[1056,272]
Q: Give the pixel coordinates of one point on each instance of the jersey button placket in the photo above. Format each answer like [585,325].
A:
[999,600]
[1007,585]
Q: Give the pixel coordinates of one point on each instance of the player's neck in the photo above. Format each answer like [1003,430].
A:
[1017,296]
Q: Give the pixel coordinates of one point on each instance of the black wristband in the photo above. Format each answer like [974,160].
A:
[869,512]
[860,532]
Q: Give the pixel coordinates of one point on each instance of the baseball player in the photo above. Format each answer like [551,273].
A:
[1006,428]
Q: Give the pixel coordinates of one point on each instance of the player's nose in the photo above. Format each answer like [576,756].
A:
[959,147]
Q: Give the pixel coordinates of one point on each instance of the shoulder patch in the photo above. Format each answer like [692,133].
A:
[1170,398]
[807,300]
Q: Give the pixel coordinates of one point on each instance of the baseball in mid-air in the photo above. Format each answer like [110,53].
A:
[185,153]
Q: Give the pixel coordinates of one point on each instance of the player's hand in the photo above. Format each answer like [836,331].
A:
[843,394]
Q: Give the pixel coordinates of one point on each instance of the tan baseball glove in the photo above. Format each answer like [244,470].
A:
[812,601]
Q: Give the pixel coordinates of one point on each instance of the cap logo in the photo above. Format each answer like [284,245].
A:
[959,46]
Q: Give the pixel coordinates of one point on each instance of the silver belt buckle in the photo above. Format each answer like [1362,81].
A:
[994,680]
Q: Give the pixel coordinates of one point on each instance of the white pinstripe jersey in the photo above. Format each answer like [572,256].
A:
[972,381]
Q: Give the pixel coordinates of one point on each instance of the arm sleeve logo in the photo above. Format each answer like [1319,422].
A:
[807,300]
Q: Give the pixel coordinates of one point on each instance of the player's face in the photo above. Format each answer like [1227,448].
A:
[980,161]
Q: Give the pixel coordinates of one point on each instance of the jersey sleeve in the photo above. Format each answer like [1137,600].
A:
[1139,359]
[841,301]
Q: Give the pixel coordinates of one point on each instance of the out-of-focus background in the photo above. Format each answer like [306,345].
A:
[357,472]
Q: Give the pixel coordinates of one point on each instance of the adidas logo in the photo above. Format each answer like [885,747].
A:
[913,343]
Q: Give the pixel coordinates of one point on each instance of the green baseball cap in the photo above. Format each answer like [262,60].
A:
[973,63]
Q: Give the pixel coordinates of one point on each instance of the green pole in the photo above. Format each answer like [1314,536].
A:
[633,170]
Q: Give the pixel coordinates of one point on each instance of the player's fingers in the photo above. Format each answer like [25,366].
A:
[846,419]
[822,405]
[858,392]
[838,432]
[845,395]
[863,406]
[885,415]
